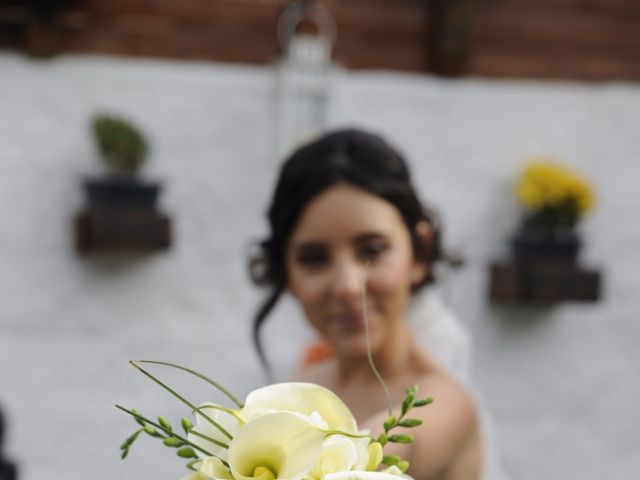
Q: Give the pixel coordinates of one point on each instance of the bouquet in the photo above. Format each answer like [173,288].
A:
[285,431]
[553,196]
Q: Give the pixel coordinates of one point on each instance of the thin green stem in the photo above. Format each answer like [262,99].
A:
[166,430]
[230,411]
[222,389]
[347,434]
[208,439]
[183,400]
[368,339]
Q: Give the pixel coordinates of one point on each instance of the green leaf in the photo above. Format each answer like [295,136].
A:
[410,422]
[186,452]
[404,438]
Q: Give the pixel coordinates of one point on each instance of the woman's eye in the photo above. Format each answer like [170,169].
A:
[312,258]
[371,251]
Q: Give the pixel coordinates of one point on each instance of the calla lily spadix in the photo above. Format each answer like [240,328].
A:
[304,398]
[279,445]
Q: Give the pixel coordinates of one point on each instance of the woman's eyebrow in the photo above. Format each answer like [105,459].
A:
[368,236]
[304,244]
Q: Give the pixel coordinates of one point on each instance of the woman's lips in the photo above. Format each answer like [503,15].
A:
[348,320]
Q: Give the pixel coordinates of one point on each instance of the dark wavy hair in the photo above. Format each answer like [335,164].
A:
[7,468]
[349,156]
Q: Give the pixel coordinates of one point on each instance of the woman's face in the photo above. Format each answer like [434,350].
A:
[341,233]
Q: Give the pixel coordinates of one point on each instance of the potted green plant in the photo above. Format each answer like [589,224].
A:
[124,150]
[121,214]
[554,199]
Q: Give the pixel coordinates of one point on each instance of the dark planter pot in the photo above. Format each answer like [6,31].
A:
[113,192]
[546,245]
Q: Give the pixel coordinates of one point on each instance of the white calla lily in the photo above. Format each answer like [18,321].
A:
[363,456]
[338,454]
[280,445]
[205,428]
[304,398]
[356,475]
[210,468]
[395,471]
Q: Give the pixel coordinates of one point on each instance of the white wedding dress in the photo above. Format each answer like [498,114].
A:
[440,331]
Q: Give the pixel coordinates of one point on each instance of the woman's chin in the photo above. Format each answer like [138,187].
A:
[354,346]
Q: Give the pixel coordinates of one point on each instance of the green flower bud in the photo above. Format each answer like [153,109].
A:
[389,423]
[186,424]
[149,429]
[401,438]
[410,422]
[414,389]
[129,441]
[407,402]
[391,460]
[186,452]
[164,422]
[172,442]
[423,401]
[191,464]
[403,466]
[139,420]
[375,456]
[383,439]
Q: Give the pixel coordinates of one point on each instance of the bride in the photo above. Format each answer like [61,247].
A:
[345,214]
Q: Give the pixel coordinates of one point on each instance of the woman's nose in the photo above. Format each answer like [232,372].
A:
[347,280]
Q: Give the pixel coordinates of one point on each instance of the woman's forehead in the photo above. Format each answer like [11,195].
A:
[346,210]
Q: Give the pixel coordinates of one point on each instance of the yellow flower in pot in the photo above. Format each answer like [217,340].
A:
[554,198]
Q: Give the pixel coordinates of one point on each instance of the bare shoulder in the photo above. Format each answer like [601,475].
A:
[450,434]
[448,440]
[451,401]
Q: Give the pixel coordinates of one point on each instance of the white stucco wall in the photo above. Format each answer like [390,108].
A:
[561,382]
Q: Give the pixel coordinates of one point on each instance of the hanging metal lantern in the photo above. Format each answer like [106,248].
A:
[304,71]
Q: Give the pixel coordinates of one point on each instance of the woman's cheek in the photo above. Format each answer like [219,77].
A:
[307,287]
[390,275]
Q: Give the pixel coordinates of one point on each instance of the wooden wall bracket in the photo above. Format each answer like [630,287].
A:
[543,281]
[121,230]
